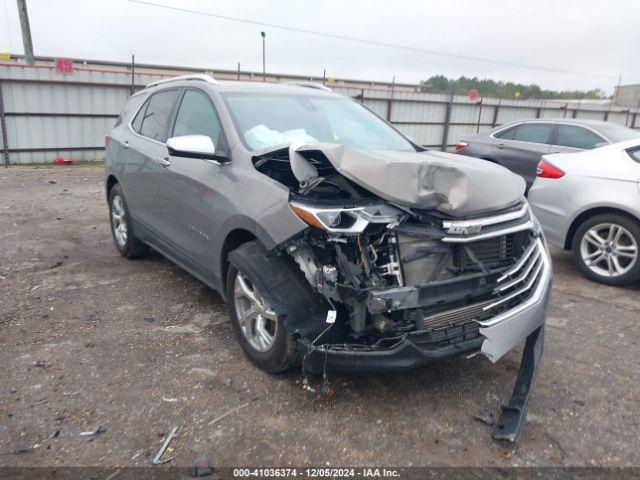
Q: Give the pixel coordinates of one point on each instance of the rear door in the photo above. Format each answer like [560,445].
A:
[521,147]
[573,138]
[146,172]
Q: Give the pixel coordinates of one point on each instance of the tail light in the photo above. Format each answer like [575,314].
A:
[461,145]
[106,140]
[546,170]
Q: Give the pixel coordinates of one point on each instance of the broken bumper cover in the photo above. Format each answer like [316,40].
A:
[403,355]
[498,335]
[503,332]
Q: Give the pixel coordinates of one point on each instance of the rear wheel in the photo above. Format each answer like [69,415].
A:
[606,248]
[121,227]
[259,330]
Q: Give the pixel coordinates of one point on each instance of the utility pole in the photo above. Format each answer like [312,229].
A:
[264,67]
[613,99]
[26,31]
[132,89]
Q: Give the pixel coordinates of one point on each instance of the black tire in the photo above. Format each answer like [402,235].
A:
[132,247]
[269,275]
[631,226]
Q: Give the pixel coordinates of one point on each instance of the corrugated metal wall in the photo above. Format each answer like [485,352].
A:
[422,116]
[47,115]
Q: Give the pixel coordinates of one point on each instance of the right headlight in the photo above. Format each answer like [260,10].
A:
[335,220]
[351,220]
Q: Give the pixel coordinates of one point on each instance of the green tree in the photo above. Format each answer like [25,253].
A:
[490,88]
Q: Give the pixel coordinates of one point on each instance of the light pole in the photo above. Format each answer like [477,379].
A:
[264,68]
[26,32]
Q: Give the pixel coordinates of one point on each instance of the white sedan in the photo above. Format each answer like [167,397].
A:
[589,202]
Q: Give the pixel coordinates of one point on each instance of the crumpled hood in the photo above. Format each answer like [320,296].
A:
[456,185]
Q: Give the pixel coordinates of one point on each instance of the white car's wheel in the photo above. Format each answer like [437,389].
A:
[607,248]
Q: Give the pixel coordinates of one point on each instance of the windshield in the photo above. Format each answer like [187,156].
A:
[618,133]
[267,119]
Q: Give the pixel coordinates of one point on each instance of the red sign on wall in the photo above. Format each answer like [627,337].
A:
[64,66]
[473,94]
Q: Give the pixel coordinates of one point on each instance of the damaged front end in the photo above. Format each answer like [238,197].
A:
[416,275]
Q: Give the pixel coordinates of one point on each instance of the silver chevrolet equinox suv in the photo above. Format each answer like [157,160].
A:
[338,243]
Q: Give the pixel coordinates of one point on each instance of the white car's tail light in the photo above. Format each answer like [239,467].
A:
[546,170]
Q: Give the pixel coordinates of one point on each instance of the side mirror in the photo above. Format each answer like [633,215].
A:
[194,146]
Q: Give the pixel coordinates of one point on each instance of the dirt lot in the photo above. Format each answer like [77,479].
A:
[90,339]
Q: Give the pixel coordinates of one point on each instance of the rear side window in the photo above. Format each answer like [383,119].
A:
[196,116]
[507,134]
[634,154]
[533,132]
[577,137]
[137,122]
[157,114]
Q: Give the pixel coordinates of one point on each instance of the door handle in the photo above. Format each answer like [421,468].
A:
[125,145]
[164,162]
[499,145]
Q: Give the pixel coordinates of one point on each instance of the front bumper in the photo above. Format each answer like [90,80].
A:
[498,335]
[404,355]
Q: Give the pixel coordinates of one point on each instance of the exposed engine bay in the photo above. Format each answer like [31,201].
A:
[417,259]
[388,269]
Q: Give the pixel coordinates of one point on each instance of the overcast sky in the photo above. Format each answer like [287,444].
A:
[600,39]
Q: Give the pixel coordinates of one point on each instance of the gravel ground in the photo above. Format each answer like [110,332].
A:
[91,340]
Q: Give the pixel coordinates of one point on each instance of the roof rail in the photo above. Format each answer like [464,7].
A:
[317,86]
[199,76]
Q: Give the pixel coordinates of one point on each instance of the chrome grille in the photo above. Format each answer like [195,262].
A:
[491,253]
[512,288]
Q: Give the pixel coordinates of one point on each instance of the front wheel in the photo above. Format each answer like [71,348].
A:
[260,331]
[606,249]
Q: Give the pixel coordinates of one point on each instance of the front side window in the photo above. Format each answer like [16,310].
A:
[269,119]
[196,116]
[533,132]
[155,119]
[577,137]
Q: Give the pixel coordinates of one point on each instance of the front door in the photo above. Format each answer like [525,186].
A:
[193,184]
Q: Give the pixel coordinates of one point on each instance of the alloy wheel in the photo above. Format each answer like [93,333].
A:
[258,322]
[609,250]
[119,221]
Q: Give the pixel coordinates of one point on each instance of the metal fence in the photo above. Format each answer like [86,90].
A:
[44,115]
[438,121]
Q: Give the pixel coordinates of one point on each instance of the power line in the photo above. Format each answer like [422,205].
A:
[372,42]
